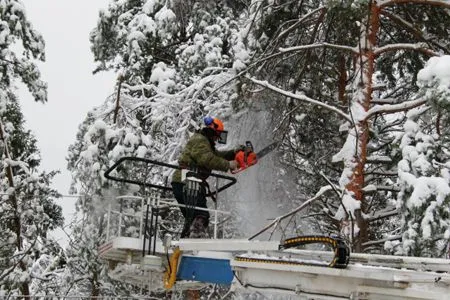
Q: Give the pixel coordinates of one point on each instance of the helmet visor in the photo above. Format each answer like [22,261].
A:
[222,136]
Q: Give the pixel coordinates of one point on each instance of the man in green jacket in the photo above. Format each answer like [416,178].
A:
[200,154]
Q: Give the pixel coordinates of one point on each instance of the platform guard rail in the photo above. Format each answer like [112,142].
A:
[148,222]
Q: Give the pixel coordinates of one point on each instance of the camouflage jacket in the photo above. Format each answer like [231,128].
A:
[199,153]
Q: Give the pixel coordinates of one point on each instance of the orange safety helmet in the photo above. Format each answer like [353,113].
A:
[218,127]
[217,124]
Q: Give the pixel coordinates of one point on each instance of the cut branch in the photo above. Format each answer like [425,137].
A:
[298,209]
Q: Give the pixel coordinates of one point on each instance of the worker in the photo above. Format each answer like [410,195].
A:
[200,156]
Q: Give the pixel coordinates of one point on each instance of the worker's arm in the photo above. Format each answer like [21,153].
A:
[227,154]
[205,157]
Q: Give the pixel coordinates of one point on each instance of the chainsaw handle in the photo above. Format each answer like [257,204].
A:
[240,157]
[244,159]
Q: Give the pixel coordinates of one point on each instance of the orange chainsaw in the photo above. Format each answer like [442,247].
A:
[247,157]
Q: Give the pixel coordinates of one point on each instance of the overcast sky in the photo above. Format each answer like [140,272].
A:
[72,88]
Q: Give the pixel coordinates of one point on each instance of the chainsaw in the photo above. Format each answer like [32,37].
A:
[247,157]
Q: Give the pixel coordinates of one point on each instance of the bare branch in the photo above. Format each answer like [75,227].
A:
[410,28]
[319,45]
[378,159]
[300,21]
[116,110]
[384,173]
[384,101]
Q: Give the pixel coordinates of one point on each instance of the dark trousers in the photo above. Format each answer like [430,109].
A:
[191,199]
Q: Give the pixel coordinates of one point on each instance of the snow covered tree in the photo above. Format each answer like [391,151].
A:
[88,160]
[340,66]
[27,208]
[424,169]
[134,36]
[356,61]
[169,56]
[17,32]
[168,93]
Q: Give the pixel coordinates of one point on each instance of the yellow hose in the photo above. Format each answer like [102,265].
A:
[171,274]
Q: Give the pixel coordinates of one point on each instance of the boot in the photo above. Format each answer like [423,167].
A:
[185,231]
[198,229]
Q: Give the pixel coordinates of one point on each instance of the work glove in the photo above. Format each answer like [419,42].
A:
[240,148]
[233,165]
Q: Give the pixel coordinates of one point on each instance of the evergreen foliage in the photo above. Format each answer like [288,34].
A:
[319,58]
[29,258]
[28,210]
[180,60]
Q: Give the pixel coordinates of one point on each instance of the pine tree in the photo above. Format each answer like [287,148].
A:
[27,208]
[168,54]
[174,66]
[330,59]
[424,169]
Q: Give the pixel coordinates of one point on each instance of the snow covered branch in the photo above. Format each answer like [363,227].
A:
[379,159]
[382,241]
[319,45]
[443,3]
[17,163]
[391,211]
[299,97]
[385,101]
[389,109]
[422,47]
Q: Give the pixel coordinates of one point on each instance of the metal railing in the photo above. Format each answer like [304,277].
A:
[118,218]
[150,206]
[123,218]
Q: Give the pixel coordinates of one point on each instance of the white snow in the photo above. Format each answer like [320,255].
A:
[437,69]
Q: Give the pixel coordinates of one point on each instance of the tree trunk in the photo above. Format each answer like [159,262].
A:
[116,110]
[356,184]
[16,219]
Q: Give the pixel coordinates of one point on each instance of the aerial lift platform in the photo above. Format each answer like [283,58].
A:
[141,250]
